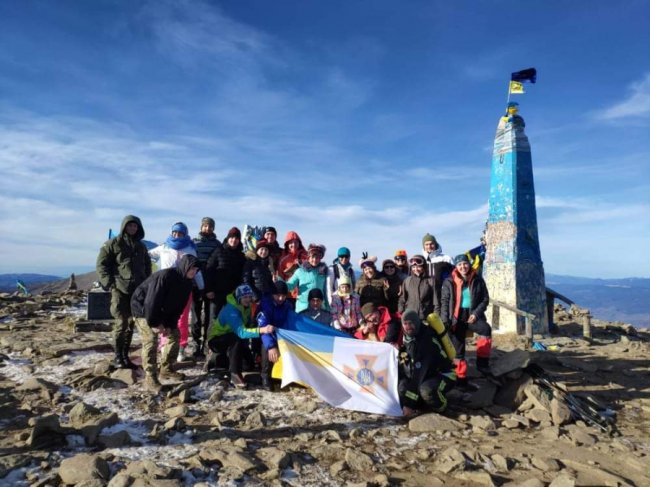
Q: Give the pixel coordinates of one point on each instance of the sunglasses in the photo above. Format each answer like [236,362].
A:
[399,258]
[389,267]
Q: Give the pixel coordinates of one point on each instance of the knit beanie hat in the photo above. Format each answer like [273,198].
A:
[234,232]
[280,288]
[461,258]
[243,290]
[401,253]
[412,316]
[315,294]
[345,279]
[261,244]
[343,252]
[271,229]
[387,262]
[368,308]
[179,227]
[430,238]
[206,220]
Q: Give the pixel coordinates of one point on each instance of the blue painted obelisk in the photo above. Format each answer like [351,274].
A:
[513,268]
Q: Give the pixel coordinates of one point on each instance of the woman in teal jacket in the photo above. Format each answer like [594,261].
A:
[231,328]
[312,274]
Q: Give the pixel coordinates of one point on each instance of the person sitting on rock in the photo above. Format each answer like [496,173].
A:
[464,301]
[157,305]
[315,311]
[273,310]
[425,372]
[229,330]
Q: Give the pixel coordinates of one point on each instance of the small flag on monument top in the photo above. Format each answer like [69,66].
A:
[516,88]
[529,74]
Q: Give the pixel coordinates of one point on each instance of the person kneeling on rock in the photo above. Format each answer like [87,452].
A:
[229,330]
[425,371]
[157,305]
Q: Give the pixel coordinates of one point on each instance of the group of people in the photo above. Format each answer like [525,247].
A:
[234,300]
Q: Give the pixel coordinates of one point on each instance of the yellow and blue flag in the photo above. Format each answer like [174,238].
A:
[346,373]
[516,88]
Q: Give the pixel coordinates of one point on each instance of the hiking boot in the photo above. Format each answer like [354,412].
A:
[170,374]
[119,363]
[152,384]
[238,381]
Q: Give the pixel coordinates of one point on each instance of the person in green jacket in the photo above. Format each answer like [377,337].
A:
[229,330]
[123,264]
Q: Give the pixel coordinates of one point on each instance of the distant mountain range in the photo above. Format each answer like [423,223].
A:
[626,300]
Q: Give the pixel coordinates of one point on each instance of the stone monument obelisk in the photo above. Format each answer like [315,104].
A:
[513,268]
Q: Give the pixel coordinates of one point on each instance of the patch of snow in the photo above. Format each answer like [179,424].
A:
[138,431]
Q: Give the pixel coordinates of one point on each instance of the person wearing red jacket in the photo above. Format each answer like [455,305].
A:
[379,325]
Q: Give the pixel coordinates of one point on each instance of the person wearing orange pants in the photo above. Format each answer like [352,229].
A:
[463,303]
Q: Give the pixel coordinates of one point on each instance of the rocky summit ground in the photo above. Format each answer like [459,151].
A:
[577,413]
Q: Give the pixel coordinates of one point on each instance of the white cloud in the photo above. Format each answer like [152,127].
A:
[637,103]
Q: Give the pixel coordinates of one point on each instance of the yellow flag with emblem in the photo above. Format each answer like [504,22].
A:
[516,88]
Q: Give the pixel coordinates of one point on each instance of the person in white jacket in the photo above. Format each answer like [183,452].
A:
[168,255]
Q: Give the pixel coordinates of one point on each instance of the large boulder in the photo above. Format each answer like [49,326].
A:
[84,468]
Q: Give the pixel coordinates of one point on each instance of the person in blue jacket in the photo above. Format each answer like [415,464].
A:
[229,330]
[274,310]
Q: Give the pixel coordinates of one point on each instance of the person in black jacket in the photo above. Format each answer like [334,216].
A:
[156,305]
[257,272]
[206,243]
[425,371]
[464,301]
[224,269]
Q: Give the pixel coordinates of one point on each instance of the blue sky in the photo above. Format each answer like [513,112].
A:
[365,124]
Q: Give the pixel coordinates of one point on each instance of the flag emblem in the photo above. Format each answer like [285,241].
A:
[364,374]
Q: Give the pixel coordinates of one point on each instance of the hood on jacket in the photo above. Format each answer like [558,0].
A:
[291,235]
[186,263]
[139,235]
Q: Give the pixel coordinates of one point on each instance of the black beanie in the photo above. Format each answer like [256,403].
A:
[281,288]
[315,293]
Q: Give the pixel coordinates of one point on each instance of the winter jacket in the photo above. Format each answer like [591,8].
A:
[307,278]
[450,301]
[169,257]
[439,267]
[275,253]
[422,358]
[290,262]
[417,294]
[162,297]
[274,314]
[334,272]
[393,292]
[206,244]
[234,318]
[389,329]
[224,269]
[372,290]
[320,315]
[123,262]
[258,275]
[346,312]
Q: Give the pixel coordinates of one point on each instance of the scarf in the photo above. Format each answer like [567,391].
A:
[178,243]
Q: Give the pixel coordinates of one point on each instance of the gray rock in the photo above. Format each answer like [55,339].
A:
[579,436]
[337,467]
[47,432]
[509,361]
[274,458]
[476,478]
[539,415]
[102,368]
[532,482]
[255,420]
[216,396]
[175,424]
[434,422]
[592,475]
[500,462]
[82,413]
[357,460]
[229,457]
[538,397]
[560,412]
[545,464]
[34,384]
[91,429]
[125,375]
[147,468]
[82,468]
[177,411]
[484,396]
[512,394]
[563,480]
[551,433]
[483,423]
[115,440]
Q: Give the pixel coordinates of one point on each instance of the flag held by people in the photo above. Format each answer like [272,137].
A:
[344,372]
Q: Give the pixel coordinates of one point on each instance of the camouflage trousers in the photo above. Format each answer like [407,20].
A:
[121,311]
[149,337]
